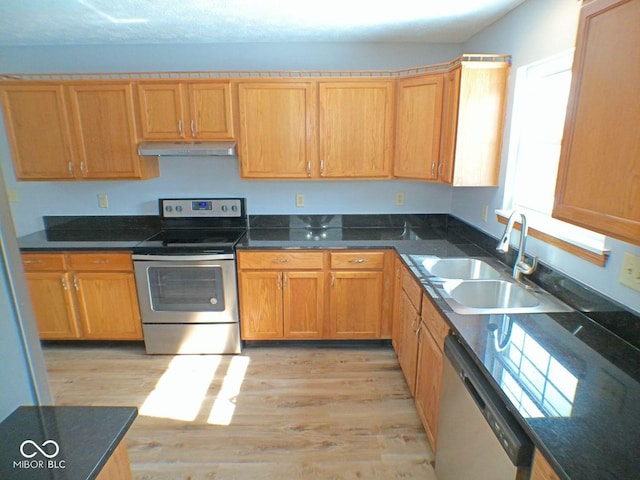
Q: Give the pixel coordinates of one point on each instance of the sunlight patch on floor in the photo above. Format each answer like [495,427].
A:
[225,404]
[180,391]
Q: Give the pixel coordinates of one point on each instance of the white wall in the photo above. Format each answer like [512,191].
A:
[536,30]
[217,177]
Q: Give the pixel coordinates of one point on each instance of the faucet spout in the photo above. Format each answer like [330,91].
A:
[520,266]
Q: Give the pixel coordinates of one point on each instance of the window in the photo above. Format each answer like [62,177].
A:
[540,103]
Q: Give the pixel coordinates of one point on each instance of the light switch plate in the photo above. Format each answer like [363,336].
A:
[630,272]
[299,200]
[400,199]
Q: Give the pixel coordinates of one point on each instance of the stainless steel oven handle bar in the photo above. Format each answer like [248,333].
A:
[184,258]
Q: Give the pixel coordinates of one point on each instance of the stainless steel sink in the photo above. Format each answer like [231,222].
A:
[490,294]
[459,268]
[498,296]
[476,286]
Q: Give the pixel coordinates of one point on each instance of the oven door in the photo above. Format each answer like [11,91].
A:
[187,288]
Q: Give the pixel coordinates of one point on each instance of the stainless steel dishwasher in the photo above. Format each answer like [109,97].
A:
[478,438]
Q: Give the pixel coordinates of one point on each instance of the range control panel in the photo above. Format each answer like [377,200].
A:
[201,207]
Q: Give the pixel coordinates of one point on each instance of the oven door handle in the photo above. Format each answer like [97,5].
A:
[184,258]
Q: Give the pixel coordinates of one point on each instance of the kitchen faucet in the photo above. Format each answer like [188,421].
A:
[519,265]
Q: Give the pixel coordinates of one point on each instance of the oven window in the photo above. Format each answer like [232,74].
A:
[186,289]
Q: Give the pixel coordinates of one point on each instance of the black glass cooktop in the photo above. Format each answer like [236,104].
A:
[191,240]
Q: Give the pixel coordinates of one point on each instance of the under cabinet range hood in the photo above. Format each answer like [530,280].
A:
[187,149]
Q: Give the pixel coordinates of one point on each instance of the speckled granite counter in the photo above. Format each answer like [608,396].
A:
[90,233]
[70,443]
[585,418]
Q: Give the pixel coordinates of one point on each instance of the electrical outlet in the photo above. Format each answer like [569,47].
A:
[484,215]
[103,200]
[299,200]
[12,195]
[630,272]
[400,199]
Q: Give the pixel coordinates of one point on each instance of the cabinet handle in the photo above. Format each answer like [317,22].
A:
[181,128]
[417,331]
[82,169]
[70,169]
[357,260]
[64,284]
[433,168]
[31,262]
[193,128]
[75,283]
[309,168]
[333,279]
[100,261]
[279,281]
[440,169]
[321,168]
[284,281]
[280,260]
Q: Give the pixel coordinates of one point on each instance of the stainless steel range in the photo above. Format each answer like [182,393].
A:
[186,277]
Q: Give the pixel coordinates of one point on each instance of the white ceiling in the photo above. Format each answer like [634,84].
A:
[92,22]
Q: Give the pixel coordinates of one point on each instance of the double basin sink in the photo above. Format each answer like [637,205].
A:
[473,286]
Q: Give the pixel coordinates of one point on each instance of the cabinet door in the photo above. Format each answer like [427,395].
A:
[419,118]
[303,297]
[598,185]
[410,331]
[449,125]
[277,130]
[108,305]
[541,469]
[428,382]
[161,110]
[356,304]
[105,130]
[397,326]
[260,304]
[210,113]
[355,129]
[38,131]
[52,303]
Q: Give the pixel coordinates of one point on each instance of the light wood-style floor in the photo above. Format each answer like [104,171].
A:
[274,412]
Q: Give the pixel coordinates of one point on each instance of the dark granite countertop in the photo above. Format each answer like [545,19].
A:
[573,385]
[584,366]
[65,443]
[90,233]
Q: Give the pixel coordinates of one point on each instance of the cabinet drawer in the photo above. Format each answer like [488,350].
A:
[357,260]
[280,260]
[39,262]
[412,288]
[434,322]
[120,262]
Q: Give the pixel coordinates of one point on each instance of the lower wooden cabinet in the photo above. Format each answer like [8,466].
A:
[429,369]
[313,294]
[83,295]
[541,469]
[281,294]
[410,319]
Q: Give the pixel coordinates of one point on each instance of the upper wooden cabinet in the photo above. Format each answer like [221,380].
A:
[277,129]
[307,129]
[185,111]
[598,184]
[475,95]
[355,128]
[38,131]
[419,121]
[73,131]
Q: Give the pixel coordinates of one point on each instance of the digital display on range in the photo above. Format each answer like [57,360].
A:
[201,205]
